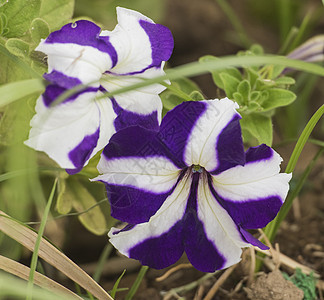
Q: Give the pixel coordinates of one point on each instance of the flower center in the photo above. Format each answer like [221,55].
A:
[197,169]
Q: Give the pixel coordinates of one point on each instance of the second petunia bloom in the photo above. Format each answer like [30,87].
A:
[190,187]
[81,53]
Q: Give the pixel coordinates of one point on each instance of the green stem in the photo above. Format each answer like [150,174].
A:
[177,92]
[37,243]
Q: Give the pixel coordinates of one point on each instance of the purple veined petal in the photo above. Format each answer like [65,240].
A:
[203,145]
[157,243]
[68,132]
[253,194]
[213,240]
[139,42]
[77,51]
[137,186]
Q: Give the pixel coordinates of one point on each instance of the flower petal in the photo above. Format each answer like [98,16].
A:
[213,240]
[253,194]
[142,102]
[137,186]
[157,243]
[67,132]
[215,140]
[77,51]
[139,42]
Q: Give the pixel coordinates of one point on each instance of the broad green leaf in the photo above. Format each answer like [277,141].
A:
[186,85]
[91,215]
[277,98]
[56,13]
[16,90]
[276,71]
[230,84]
[20,14]
[238,98]
[17,47]
[255,95]
[258,126]
[244,89]
[285,80]
[257,49]
[216,74]
[64,197]
[197,96]
[252,76]
[170,100]
[39,29]
[3,24]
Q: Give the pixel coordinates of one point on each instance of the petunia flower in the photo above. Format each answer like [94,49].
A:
[190,187]
[80,53]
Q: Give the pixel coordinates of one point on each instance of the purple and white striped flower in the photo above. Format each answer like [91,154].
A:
[81,54]
[190,187]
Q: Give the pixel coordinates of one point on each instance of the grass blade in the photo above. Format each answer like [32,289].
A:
[38,240]
[137,283]
[13,91]
[52,255]
[115,287]
[23,272]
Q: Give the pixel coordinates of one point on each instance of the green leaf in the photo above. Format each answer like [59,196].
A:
[230,84]
[276,71]
[244,88]
[255,96]
[258,126]
[91,215]
[285,80]
[16,90]
[56,13]
[64,197]
[216,74]
[257,49]
[3,24]
[197,96]
[39,29]
[17,47]
[252,76]
[278,98]
[238,98]
[20,14]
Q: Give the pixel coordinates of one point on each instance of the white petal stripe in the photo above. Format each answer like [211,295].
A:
[201,145]
[156,173]
[219,227]
[83,62]
[169,214]
[255,180]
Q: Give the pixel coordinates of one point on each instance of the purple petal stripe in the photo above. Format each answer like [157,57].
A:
[200,251]
[261,152]
[84,33]
[81,153]
[62,80]
[161,42]
[127,118]
[229,147]
[252,240]
[186,235]
[53,91]
[133,205]
[251,214]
